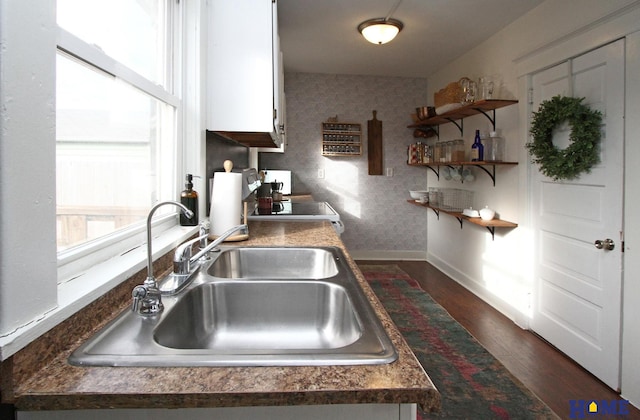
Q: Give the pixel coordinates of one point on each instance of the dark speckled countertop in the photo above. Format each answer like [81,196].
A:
[39,377]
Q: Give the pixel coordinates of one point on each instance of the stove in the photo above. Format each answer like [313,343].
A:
[300,211]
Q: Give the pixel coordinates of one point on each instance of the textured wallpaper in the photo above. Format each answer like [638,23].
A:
[373,208]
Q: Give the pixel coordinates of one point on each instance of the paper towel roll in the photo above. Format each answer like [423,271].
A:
[226,202]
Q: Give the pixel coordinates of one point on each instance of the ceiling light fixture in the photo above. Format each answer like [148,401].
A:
[381,30]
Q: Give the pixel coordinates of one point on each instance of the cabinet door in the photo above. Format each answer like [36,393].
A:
[278,75]
[240,74]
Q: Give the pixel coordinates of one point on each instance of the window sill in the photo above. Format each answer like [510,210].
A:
[81,291]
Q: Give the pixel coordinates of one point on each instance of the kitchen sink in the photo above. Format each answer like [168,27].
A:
[269,315]
[285,263]
[234,316]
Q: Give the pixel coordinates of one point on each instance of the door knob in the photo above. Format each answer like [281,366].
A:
[606,244]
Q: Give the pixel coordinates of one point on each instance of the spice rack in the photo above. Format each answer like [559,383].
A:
[341,139]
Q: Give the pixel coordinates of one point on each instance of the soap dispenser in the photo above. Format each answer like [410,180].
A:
[189,197]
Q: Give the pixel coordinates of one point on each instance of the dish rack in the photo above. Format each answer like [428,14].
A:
[450,199]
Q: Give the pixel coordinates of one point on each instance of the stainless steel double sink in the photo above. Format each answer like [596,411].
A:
[252,306]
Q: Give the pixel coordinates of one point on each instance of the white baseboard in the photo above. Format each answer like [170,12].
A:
[459,277]
[477,289]
[388,255]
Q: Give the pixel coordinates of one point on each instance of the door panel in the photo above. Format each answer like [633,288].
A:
[578,262]
[581,317]
[572,203]
[577,305]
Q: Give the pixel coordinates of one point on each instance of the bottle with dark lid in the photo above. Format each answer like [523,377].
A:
[189,197]
[477,149]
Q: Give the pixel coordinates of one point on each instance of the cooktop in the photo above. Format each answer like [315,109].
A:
[297,210]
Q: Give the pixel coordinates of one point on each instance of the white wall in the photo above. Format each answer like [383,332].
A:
[498,270]
[27,162]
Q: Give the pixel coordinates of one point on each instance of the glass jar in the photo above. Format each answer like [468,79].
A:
[497,149]
[458,154]
[428,154]
[448,146]
[437,152]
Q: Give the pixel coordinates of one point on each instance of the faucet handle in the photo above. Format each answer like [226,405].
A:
[138,293]
[203,233]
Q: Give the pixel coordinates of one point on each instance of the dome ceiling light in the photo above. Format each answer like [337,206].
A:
[381,30]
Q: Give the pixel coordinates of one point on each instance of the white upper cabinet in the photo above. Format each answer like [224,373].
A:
[244,72]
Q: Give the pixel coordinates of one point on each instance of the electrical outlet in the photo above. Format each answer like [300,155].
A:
[321,173]
[389,171]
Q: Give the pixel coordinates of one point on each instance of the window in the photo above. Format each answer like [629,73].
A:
[117,146]
[135,33]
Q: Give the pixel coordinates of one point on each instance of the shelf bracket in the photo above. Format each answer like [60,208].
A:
[460,219]
[430,129]
[436,211]
[491,174]
[435,172]
[459,125]
[492,119]
[492,230]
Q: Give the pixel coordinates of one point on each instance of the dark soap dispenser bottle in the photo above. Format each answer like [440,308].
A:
[189,198]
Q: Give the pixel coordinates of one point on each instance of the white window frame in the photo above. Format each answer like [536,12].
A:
[45,303]
[72,263]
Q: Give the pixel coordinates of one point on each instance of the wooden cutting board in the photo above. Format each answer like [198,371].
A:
[374,134]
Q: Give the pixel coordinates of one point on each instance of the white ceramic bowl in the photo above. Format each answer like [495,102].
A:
[487,213]
[416,195]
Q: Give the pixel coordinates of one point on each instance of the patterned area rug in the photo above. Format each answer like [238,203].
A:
[472,383]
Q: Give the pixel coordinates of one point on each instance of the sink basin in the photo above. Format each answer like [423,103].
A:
[272,315]
[285,263]
[275,318]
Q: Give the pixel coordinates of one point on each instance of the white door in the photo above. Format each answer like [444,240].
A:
[577,302]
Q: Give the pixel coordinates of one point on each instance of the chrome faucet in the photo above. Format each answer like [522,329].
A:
[183,260]
[146,297]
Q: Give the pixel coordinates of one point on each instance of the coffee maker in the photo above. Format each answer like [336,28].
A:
[276,190]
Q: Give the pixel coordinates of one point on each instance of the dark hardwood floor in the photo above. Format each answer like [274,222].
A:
[547,372]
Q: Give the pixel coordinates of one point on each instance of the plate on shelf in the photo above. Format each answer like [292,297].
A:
[470,213]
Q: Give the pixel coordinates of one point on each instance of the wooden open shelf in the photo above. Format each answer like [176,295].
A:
[478,164]
[469,163]
[479,107]
[491,225]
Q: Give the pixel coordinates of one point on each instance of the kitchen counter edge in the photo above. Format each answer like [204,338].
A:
[40,378]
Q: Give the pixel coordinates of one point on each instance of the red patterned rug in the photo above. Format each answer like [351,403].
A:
[473,384]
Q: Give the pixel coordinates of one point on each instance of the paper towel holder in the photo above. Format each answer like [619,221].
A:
[238,237]
[228,166]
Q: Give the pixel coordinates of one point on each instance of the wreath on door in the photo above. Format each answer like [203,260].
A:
[583,151]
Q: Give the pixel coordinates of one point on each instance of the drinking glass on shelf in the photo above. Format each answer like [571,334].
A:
[472,92]
[486,87]
[464,84]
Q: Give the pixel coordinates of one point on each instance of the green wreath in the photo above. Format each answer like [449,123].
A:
[581,154]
